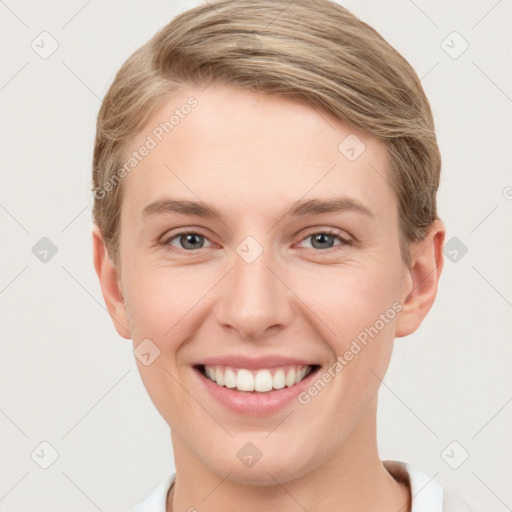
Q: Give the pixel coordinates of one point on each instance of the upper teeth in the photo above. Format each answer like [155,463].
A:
[260,380]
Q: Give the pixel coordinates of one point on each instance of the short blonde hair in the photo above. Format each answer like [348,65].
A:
[314,51]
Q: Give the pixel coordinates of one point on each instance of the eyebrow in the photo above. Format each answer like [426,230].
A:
[299,208]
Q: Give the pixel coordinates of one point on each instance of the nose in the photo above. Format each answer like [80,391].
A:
[254,300]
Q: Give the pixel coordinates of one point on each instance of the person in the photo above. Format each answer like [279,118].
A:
[264,178]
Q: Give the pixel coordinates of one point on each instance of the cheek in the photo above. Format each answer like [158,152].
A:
[159,299]
[350,299]
[357,313]
[161,303]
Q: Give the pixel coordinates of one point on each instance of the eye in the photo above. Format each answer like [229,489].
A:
[188,240]
[325,239]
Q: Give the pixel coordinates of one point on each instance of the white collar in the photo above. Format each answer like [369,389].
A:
[427,494]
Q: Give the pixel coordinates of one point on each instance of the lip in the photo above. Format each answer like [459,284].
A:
[254,363]
[253,403]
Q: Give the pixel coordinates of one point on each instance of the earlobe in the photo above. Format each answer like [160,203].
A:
[421,279]
[110,284]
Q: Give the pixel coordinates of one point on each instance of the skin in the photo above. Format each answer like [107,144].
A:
[251,156]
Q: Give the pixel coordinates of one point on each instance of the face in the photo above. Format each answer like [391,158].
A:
[287,268]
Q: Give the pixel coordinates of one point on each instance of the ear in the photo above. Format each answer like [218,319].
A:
[110,284]
[420,279]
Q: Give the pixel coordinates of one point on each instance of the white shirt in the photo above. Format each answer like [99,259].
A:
[427,494]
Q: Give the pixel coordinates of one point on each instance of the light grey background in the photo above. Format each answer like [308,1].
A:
[68,379]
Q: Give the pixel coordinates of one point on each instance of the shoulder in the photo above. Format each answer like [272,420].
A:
[427,495]
[453,503]
[156,501]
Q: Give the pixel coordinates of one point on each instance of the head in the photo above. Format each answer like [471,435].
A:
[254,109]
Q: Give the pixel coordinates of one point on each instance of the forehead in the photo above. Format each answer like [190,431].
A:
[224,143]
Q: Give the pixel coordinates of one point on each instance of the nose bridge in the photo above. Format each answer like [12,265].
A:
[253,297]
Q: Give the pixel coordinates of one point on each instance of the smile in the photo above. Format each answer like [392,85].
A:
[261,381]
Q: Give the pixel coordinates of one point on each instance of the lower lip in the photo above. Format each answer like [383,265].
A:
[252,402]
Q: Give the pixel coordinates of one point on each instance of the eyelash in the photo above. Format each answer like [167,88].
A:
[326,231]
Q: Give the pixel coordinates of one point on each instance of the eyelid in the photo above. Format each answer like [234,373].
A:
[331,231]
[344,238]
[168,236]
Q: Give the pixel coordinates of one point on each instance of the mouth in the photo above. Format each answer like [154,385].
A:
[260,381]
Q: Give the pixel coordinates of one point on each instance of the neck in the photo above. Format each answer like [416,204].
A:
[353,479]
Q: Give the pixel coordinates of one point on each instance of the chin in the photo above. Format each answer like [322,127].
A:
[269,470]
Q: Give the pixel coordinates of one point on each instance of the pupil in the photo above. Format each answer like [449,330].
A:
[321,237]
[189,239]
